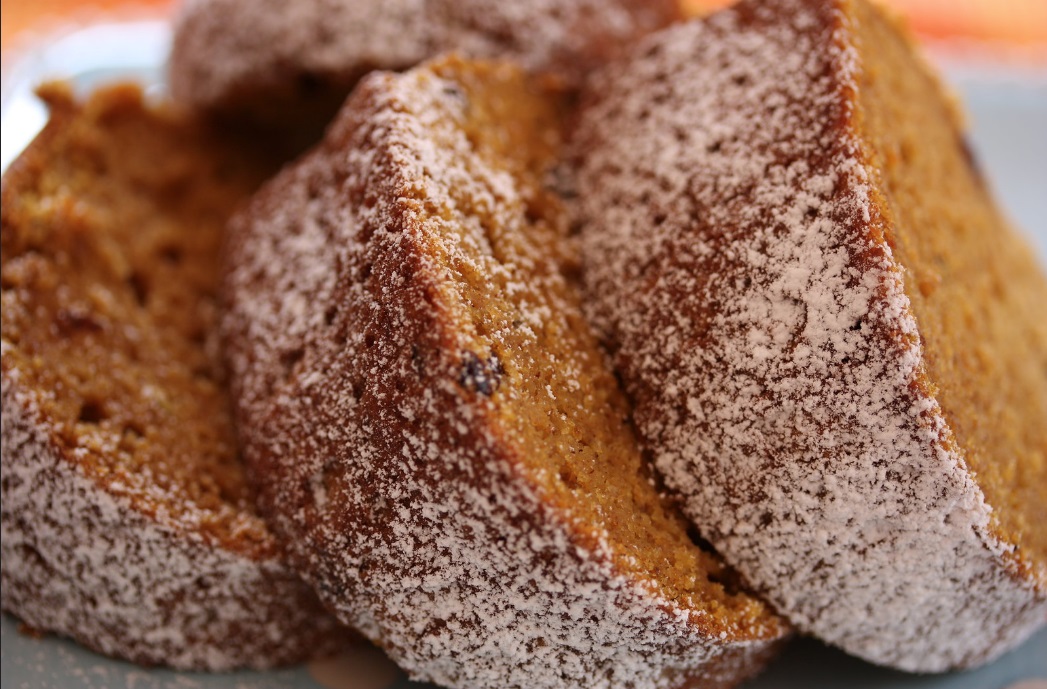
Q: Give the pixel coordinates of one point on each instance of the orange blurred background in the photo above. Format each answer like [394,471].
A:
[1021,24]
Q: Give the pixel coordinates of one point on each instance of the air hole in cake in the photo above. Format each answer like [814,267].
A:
[731,585]
[653,51]
[309,84]
[330,314]
[204,374]
[290,359]
[533,210]
[568,477]
[481,375]
[139,287]
[696,538]
[452,91]
[33,556]
[134,430]
[171,254]
[75,320]
[417,361]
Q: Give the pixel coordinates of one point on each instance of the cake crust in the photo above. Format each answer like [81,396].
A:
[741,261]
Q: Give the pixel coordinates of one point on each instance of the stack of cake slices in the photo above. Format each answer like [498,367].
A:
[608,352]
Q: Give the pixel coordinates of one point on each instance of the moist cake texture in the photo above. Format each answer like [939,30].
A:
[433,426]
[127,520]
[836,345]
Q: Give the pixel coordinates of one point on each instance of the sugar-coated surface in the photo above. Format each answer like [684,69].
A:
[403,500]
[735,260]
[81,561]
[226,47]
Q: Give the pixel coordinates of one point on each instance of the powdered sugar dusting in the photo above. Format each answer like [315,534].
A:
[405,504]
[226,47]
[731,228]
[80,561]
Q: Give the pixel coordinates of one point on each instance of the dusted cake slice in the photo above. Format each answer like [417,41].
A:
[432,423]
[127,520]
[293,63]
[836,345]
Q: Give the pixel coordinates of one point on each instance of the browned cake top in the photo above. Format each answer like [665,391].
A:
[433,423]
[110,249]
[785,359]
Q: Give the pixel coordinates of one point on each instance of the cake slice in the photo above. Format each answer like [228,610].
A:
[127,522]
[293,63]
[432,424]
[836,345]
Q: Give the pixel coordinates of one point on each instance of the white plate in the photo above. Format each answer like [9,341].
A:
[1009,135]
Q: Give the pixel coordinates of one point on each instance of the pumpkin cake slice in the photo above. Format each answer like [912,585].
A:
[836,345]
[433,426]
[127,522]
